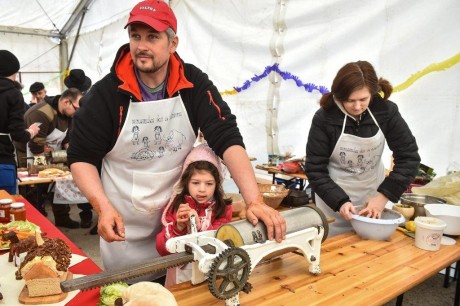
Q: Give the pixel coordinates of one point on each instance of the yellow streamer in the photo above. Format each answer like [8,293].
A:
[431,68]
[229,92]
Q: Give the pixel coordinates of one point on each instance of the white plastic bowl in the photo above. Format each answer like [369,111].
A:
[448,213]
[376,229]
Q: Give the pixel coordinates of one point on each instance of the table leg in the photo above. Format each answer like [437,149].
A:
[399,300]
[457,287]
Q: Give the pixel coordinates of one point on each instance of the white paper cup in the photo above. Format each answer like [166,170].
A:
[428,233]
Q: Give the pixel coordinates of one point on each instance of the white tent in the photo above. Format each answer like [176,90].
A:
[270,59]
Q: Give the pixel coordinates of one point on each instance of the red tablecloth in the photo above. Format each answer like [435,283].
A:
[86,267]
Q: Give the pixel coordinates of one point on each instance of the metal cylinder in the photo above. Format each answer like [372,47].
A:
[59,156]
[242,232]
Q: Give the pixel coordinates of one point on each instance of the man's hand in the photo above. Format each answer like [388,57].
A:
[275,223]
[110,225]
[47,149]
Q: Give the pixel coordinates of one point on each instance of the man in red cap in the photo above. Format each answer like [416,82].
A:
[134,130]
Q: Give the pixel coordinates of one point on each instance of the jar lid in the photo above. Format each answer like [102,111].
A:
[5,201]
[17,205]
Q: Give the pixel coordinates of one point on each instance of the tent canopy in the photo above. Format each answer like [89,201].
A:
[270,59]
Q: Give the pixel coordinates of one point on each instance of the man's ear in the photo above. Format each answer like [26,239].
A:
[174,43]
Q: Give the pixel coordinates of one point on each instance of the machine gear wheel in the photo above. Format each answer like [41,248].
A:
[229,273]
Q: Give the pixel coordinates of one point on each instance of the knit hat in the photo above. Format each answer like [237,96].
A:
[77,79]
[200,152]
[35,87]
[9,63]
[154,13]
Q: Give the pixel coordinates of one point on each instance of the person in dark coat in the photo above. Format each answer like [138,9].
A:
[345,144]
[12,126]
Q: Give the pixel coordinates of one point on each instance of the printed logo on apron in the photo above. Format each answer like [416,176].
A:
[356,166]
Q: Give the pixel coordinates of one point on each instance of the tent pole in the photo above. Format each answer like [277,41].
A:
[273,99]
[63,60]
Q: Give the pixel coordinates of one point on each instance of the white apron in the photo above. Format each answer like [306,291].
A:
[53,140]
[356,166]
[139,173]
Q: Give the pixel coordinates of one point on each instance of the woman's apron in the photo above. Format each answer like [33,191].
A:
[356,166]
[138,177]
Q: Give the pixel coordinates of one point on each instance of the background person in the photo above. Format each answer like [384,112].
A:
[38,92]
[56,119]
[12,127]
[78,79]
[149,85]
[199,192]
[345,145]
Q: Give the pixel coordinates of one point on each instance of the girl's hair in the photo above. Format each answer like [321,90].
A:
[219,195]
[354,76]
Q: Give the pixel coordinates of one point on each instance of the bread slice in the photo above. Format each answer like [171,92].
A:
[40,270]
[45,286]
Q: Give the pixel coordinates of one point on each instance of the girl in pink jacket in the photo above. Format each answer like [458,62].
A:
[199,193]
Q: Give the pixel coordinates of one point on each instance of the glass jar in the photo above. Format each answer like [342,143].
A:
[17,212]
[5,205]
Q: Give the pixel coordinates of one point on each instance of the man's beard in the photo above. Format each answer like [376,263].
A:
[153,69]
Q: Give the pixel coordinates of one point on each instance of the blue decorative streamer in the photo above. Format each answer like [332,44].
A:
[309,87]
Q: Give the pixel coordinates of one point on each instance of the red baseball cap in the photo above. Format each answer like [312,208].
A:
[154,13]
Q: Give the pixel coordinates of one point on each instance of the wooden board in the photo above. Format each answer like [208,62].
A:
[353,272]
[50,299]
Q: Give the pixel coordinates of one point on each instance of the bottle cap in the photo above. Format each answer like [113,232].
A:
[17,205]
[5,201]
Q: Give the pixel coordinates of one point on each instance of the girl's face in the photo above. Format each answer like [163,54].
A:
[357,102]
[201,186]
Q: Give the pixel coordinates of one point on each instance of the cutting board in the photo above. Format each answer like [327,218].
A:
[50,299]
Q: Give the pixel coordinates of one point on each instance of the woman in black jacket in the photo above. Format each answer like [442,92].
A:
[345,144]
[12,125]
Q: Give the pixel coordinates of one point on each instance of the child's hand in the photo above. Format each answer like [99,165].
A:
[182,216]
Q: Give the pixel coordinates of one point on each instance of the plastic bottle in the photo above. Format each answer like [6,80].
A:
[17,212]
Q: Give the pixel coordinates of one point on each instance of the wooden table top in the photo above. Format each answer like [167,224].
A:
[36,180]
[274,170]
[353,272]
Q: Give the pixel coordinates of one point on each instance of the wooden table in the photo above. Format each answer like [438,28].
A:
[354,272]
[274,171]
[86,267]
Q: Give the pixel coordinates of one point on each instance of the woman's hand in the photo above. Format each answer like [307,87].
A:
[374,207]
[346,209]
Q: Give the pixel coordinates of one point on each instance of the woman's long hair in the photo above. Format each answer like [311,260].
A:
[219,195]
[354,76]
